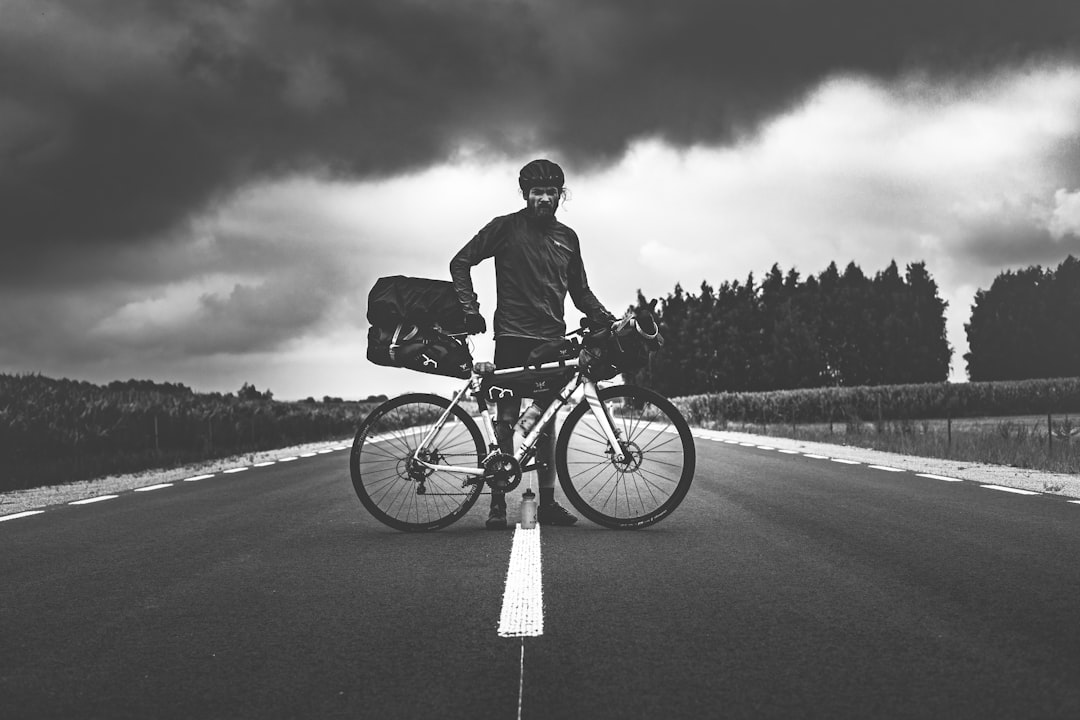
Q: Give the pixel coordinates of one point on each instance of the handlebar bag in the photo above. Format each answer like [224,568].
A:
[610,352]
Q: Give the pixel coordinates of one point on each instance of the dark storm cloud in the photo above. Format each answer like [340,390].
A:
[119,119]
[1012,243]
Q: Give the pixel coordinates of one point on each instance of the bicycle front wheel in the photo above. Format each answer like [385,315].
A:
[396,489]
[653,477]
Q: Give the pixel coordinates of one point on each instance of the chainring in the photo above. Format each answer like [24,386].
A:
[502,472]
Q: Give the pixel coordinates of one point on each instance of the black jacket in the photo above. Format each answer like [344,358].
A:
[536,264]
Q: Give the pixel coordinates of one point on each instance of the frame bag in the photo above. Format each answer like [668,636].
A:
[531,381]
[413,325]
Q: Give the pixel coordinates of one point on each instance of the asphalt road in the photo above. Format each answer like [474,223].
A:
[784,587]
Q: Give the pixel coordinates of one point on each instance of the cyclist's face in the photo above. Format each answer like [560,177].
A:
[543,201]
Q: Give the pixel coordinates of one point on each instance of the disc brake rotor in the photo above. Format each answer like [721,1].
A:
[631,459]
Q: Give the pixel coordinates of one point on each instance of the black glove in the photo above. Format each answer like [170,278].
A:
[598,324]
[474,324]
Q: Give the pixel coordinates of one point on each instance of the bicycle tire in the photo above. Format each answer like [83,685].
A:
[639,492]
[420,499]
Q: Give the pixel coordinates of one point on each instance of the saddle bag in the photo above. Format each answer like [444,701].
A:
[432,352]
[413,326]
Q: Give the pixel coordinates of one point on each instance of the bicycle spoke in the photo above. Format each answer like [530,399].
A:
[389,480]
[642,482]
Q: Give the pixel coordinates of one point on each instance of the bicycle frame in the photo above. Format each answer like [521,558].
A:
[487,426]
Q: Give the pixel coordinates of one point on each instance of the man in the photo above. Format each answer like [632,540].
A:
[537,261]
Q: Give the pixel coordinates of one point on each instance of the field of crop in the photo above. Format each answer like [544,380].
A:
[1050,444]
[58,431]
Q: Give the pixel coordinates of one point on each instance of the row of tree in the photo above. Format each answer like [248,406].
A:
[849,329]
[1027,325]
[787,332]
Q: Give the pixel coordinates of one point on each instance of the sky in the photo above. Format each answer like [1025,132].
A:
[204,192]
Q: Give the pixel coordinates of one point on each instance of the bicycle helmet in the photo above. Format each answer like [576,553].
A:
[541,173]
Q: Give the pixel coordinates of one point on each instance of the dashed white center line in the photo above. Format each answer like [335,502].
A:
[288,459]
[265,464]
[842,461]
[199,477]
[148,488]
[816,457]
[1016,491]
[87,501]
[886,468]
[230,471]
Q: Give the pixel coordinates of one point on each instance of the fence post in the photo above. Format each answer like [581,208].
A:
[1049,435]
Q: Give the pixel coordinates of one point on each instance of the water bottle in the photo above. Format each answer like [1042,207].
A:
[528,509]
[528,418]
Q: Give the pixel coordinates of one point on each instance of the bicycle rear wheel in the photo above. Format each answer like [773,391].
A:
[644,487]
[392,486]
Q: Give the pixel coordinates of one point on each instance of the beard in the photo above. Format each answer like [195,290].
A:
[543,212]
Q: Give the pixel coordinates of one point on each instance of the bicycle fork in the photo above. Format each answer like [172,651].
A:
[605,421]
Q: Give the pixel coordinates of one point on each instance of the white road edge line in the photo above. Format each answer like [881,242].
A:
[87,501]
[16,516]
[932,476]
[1016,491]
[523,600]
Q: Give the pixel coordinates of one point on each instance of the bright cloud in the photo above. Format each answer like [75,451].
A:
[269,285]
[1065,217]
